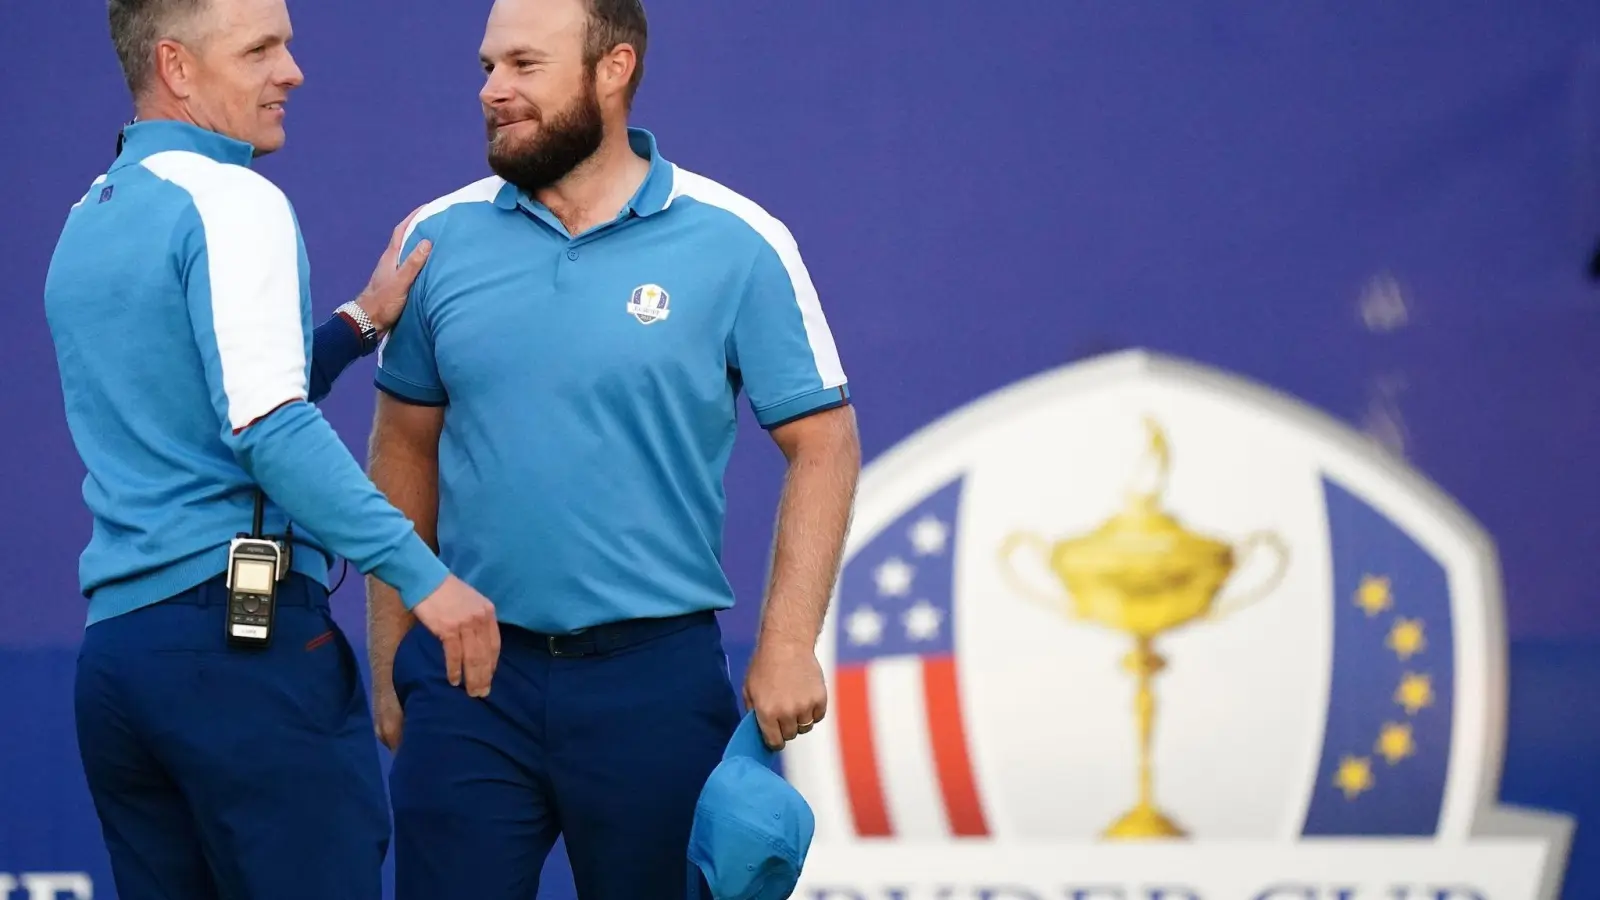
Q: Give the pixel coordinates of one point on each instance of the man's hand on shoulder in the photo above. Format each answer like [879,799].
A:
[785,688]
[464,622]
[384,297]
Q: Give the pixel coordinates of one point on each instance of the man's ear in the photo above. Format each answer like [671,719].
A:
[175,67]
[615,70]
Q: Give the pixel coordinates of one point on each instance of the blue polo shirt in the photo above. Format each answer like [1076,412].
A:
[179,304]
[590,385]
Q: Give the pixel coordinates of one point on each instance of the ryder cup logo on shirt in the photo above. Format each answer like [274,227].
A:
[1135,629]
[649,303]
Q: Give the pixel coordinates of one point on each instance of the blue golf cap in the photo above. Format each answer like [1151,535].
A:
[751,827]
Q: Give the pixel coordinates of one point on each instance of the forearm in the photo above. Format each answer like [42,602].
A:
[410,480]
[305,468]
[813,519]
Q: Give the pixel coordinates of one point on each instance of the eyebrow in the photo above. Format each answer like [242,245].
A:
[269,38]
[518,50]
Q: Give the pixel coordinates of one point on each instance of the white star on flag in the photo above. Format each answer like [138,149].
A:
[929,535]
[865,626]
[893,578]
[922,621]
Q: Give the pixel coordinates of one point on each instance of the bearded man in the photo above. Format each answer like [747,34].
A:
[557,405]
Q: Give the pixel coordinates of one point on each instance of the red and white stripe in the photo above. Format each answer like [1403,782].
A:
[903,753]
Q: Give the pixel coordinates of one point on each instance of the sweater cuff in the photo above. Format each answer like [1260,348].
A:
[413,570]
[355,330]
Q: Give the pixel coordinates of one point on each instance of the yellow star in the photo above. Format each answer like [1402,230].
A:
[1415,692]
[1373,595]
[1406,639]
[1395,742]
[1354,776]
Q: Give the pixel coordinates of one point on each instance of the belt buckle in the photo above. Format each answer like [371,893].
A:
[553,642]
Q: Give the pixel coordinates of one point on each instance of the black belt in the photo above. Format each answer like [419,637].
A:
[613,636]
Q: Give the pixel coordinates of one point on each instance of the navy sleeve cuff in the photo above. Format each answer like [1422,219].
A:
[355,329]
[334,346]
[804,405]
[406,391]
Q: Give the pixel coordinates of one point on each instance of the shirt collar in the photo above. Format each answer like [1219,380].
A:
[652,196]
[145,139]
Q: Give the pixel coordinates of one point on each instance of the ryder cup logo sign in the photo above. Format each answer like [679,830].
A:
[1137,630]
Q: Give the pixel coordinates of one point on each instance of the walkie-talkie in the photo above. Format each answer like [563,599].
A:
[256,564]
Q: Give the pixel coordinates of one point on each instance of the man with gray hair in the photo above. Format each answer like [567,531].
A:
[222,721]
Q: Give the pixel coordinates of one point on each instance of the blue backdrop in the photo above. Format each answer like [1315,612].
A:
[1383,209]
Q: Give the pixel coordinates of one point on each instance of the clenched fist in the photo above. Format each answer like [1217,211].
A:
[785,689]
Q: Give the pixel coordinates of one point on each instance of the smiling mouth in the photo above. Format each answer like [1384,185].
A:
[275,107]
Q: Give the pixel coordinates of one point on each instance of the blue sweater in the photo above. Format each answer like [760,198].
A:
[178,299]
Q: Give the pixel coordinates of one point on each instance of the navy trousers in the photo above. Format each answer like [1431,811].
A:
[228,773]
[606,743]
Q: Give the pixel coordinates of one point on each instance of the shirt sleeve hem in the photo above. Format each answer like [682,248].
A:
[401,389]
[804,405]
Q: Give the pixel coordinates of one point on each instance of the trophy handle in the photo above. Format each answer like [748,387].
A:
[1052,600]
[1227,606]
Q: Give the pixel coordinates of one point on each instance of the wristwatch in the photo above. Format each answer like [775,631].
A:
[364,324]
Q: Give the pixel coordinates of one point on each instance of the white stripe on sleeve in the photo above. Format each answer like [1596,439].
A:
[484,190]
[96,183]
[775,233]
[254,252]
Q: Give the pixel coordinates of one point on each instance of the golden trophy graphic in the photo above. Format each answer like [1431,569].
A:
[1144,574]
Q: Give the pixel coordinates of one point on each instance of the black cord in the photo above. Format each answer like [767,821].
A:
[343,571]
[260,514]
[261,511]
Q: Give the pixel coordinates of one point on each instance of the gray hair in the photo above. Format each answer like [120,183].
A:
[138,25]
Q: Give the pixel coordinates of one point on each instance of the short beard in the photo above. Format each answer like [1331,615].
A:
[563,143]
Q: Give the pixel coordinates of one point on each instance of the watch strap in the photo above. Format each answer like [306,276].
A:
[362,321]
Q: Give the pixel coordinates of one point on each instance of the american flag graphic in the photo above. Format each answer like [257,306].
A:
[895,641]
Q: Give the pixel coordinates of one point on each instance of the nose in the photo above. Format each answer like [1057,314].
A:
[496,87]
[290,77]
